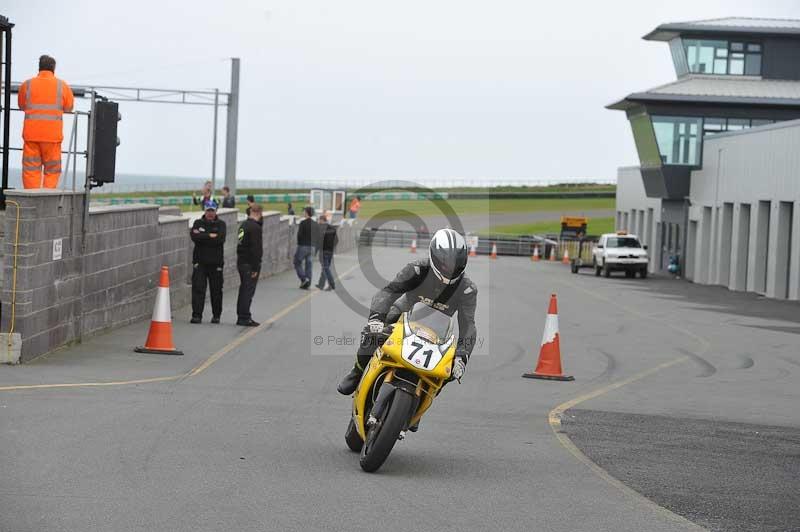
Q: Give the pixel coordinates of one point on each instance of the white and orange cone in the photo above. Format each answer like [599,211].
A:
[549,365]
[553,253]
[565,258]
[473,252]
[493,254]
[414,246]
[535,256]
[159,338]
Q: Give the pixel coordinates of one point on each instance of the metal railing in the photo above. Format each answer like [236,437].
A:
[519,245]
[505,244]
[71,151]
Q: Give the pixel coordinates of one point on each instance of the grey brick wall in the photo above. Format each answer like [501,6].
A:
[112,281]
[48,296]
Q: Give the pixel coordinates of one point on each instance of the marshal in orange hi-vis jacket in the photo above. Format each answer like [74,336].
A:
[44,99]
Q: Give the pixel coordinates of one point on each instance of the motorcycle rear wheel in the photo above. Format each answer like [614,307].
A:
[382,436]
[352,438]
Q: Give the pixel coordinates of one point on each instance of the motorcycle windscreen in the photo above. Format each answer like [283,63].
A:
[430,324]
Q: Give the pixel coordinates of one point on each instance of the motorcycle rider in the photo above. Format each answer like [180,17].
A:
[438,282]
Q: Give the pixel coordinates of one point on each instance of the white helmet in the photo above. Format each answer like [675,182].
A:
[448,255]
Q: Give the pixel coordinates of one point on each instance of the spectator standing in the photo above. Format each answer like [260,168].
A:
[207,194]
[289,209]
[208,235]
[248,261]
[44,99]
[251,200]
[355,206]
[329,241]
[307,243]
[228,199]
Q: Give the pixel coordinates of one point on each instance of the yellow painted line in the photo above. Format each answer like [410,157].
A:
[239,340]
[555,415]
[555,424]
[86,384]
[207,363]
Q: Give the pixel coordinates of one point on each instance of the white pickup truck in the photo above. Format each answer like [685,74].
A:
[620,252]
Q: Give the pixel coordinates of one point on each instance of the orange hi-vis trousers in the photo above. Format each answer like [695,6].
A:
[41,164]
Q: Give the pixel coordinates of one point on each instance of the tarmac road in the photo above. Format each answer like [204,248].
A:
[254,441]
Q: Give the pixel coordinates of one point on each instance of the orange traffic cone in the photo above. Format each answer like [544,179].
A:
[159,339]
[414,246]
[473,252]
[565,258]
[549,365]
[553,253]
[493,255]
[535,256]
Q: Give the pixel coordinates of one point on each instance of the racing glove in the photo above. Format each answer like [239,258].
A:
[374,326]
[374,333]
[458,369]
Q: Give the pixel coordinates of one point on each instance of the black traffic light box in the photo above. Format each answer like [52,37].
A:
[104,152]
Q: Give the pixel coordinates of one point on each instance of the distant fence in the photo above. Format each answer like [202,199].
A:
[187,200]
[303,197]
[514,245]
[495,195]
[138,184]
[506,244]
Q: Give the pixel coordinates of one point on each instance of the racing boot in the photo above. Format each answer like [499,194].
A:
[350,381]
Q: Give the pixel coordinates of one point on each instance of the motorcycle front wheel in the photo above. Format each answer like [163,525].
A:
[382,436]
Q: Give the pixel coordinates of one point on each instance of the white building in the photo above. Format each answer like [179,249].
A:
[743,213]
[718,184]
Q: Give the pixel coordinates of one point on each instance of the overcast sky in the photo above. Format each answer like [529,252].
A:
[420,88]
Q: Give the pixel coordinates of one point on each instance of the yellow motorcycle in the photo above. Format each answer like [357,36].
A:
[400,382]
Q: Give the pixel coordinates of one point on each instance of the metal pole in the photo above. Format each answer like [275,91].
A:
[214,145]
[72,133]
[231,127]
[75,149]
[6,115]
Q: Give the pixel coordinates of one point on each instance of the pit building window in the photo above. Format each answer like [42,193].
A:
[733,58]
[678,139]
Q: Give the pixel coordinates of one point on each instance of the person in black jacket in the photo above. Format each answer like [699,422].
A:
[307,244]
[329,240]
[208,235]
[248,261]
[228,199]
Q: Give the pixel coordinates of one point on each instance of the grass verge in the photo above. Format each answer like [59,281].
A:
[572,206]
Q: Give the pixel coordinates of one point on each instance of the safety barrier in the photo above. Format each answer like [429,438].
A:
[582,248]
[513,245]
[519,245]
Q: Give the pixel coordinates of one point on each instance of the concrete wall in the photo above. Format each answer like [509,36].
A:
[747,199]
[109,279]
